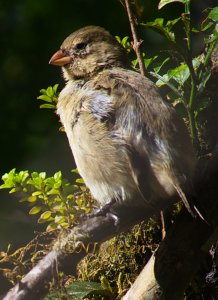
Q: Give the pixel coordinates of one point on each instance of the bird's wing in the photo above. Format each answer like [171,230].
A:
[144,123]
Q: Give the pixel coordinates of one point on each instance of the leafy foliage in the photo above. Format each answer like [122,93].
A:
[186,82]
[162,3]
[164,28]
[125,43]
[54,199]
[50,96]
[80,290]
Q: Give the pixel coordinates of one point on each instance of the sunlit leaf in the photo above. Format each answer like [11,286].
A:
[14,190]
[75,171]
[53,192]
[148,61]
[55,87]
[35,210]
[79,180]
[44,98]
[163,29]
[36,193]
[162,3]
[213,15]
[43,91]
[159,66]
[46,215]
[32,199]
[59,219]
[58,175]
[50,91]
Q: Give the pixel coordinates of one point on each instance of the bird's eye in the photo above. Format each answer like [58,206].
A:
[80,46]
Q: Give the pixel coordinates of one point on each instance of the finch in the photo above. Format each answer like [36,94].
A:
[130,146]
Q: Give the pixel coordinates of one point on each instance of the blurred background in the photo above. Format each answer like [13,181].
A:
[30,32]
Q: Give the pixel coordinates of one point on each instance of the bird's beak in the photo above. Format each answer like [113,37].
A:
[60,59]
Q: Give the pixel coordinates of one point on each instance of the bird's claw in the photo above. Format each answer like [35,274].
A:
[103,211]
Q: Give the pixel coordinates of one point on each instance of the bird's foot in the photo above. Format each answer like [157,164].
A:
[103,211]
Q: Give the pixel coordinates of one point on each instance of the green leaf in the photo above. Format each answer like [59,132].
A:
[124,42]
[37,193]
[42,221]
[59,219]
[23,199]
[125,39]
[80,289]
[171,23]
[53,192]
[14,190]
[35,210]
[9,180]
[118,39]
[207,26]
[23,176]
[59,207]
[58,175]
[50,96]
[213,15]
[148,61]
[75,171]
[43,91]
[55,87]
[64,225]
[75,187]
[50,91]
[42,175]
[158,25]
[159,66]
[32,199]
[180,74]
[47,106]
[45,98]
[162,3]
[79,180]
[46,215]
[205,77]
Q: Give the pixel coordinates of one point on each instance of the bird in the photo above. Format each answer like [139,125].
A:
[130,146]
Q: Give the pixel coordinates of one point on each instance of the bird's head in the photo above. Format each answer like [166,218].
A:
[87,51]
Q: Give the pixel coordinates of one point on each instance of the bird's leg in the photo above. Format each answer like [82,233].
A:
[103,211]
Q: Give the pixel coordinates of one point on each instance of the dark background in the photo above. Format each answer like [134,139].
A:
[30,32]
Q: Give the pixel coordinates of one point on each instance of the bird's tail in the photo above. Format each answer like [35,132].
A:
[191,208]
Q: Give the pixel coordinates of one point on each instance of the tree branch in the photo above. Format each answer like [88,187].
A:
[168,271]
[136,42]
[71,246]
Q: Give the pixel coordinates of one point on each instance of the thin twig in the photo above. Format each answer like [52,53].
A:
[163,228]
[136,42]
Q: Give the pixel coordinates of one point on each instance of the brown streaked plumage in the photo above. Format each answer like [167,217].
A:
[129,145]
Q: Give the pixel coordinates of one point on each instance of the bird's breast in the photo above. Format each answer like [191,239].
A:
[99,159]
